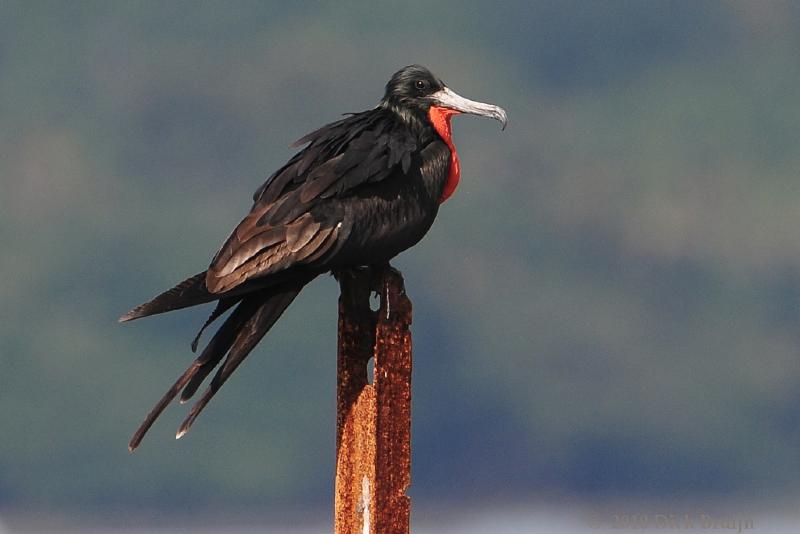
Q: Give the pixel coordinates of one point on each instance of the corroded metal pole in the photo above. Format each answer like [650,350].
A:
[373,441]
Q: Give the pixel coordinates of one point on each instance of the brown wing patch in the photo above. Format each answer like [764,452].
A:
[269,251]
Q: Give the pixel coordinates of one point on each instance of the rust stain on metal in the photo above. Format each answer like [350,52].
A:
[373,443]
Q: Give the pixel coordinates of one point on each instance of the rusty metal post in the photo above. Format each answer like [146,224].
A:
[373,441]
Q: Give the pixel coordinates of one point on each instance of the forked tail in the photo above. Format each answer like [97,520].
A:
[242,330]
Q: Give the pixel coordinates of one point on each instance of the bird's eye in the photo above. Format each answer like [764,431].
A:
[420,84]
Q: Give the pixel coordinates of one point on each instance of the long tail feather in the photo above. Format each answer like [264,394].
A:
[220,344]
[223,305]
[193,291]
[159,407]
[241,331]
[214,351]
[247,338]
[190,292]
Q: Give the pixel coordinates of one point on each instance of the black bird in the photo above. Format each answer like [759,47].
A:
[364,189]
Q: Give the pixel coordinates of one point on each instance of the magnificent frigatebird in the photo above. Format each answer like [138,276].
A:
[364,189]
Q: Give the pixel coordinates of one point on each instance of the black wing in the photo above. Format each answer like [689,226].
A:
[292,221]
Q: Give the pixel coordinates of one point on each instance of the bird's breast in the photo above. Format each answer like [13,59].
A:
[387,220]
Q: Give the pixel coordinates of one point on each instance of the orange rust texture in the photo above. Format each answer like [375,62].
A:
[373,445]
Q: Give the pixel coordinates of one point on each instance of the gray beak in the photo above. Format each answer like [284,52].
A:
[447,98]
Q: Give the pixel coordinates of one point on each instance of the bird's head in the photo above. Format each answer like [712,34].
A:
[415,89]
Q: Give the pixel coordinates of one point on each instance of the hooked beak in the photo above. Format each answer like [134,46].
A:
[449,99]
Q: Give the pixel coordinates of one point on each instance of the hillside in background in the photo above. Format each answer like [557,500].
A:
[609,304]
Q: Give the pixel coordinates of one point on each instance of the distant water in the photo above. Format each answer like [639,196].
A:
[513,521]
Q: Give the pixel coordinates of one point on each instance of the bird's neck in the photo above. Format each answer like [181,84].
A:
[413,118]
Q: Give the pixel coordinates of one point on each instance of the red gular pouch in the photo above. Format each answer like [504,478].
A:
[440,118]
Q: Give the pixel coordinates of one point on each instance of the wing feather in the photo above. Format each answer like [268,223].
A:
[290,223]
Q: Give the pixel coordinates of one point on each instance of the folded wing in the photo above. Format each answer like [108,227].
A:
[292,223]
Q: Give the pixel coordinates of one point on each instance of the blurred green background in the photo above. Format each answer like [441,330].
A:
[608,306]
